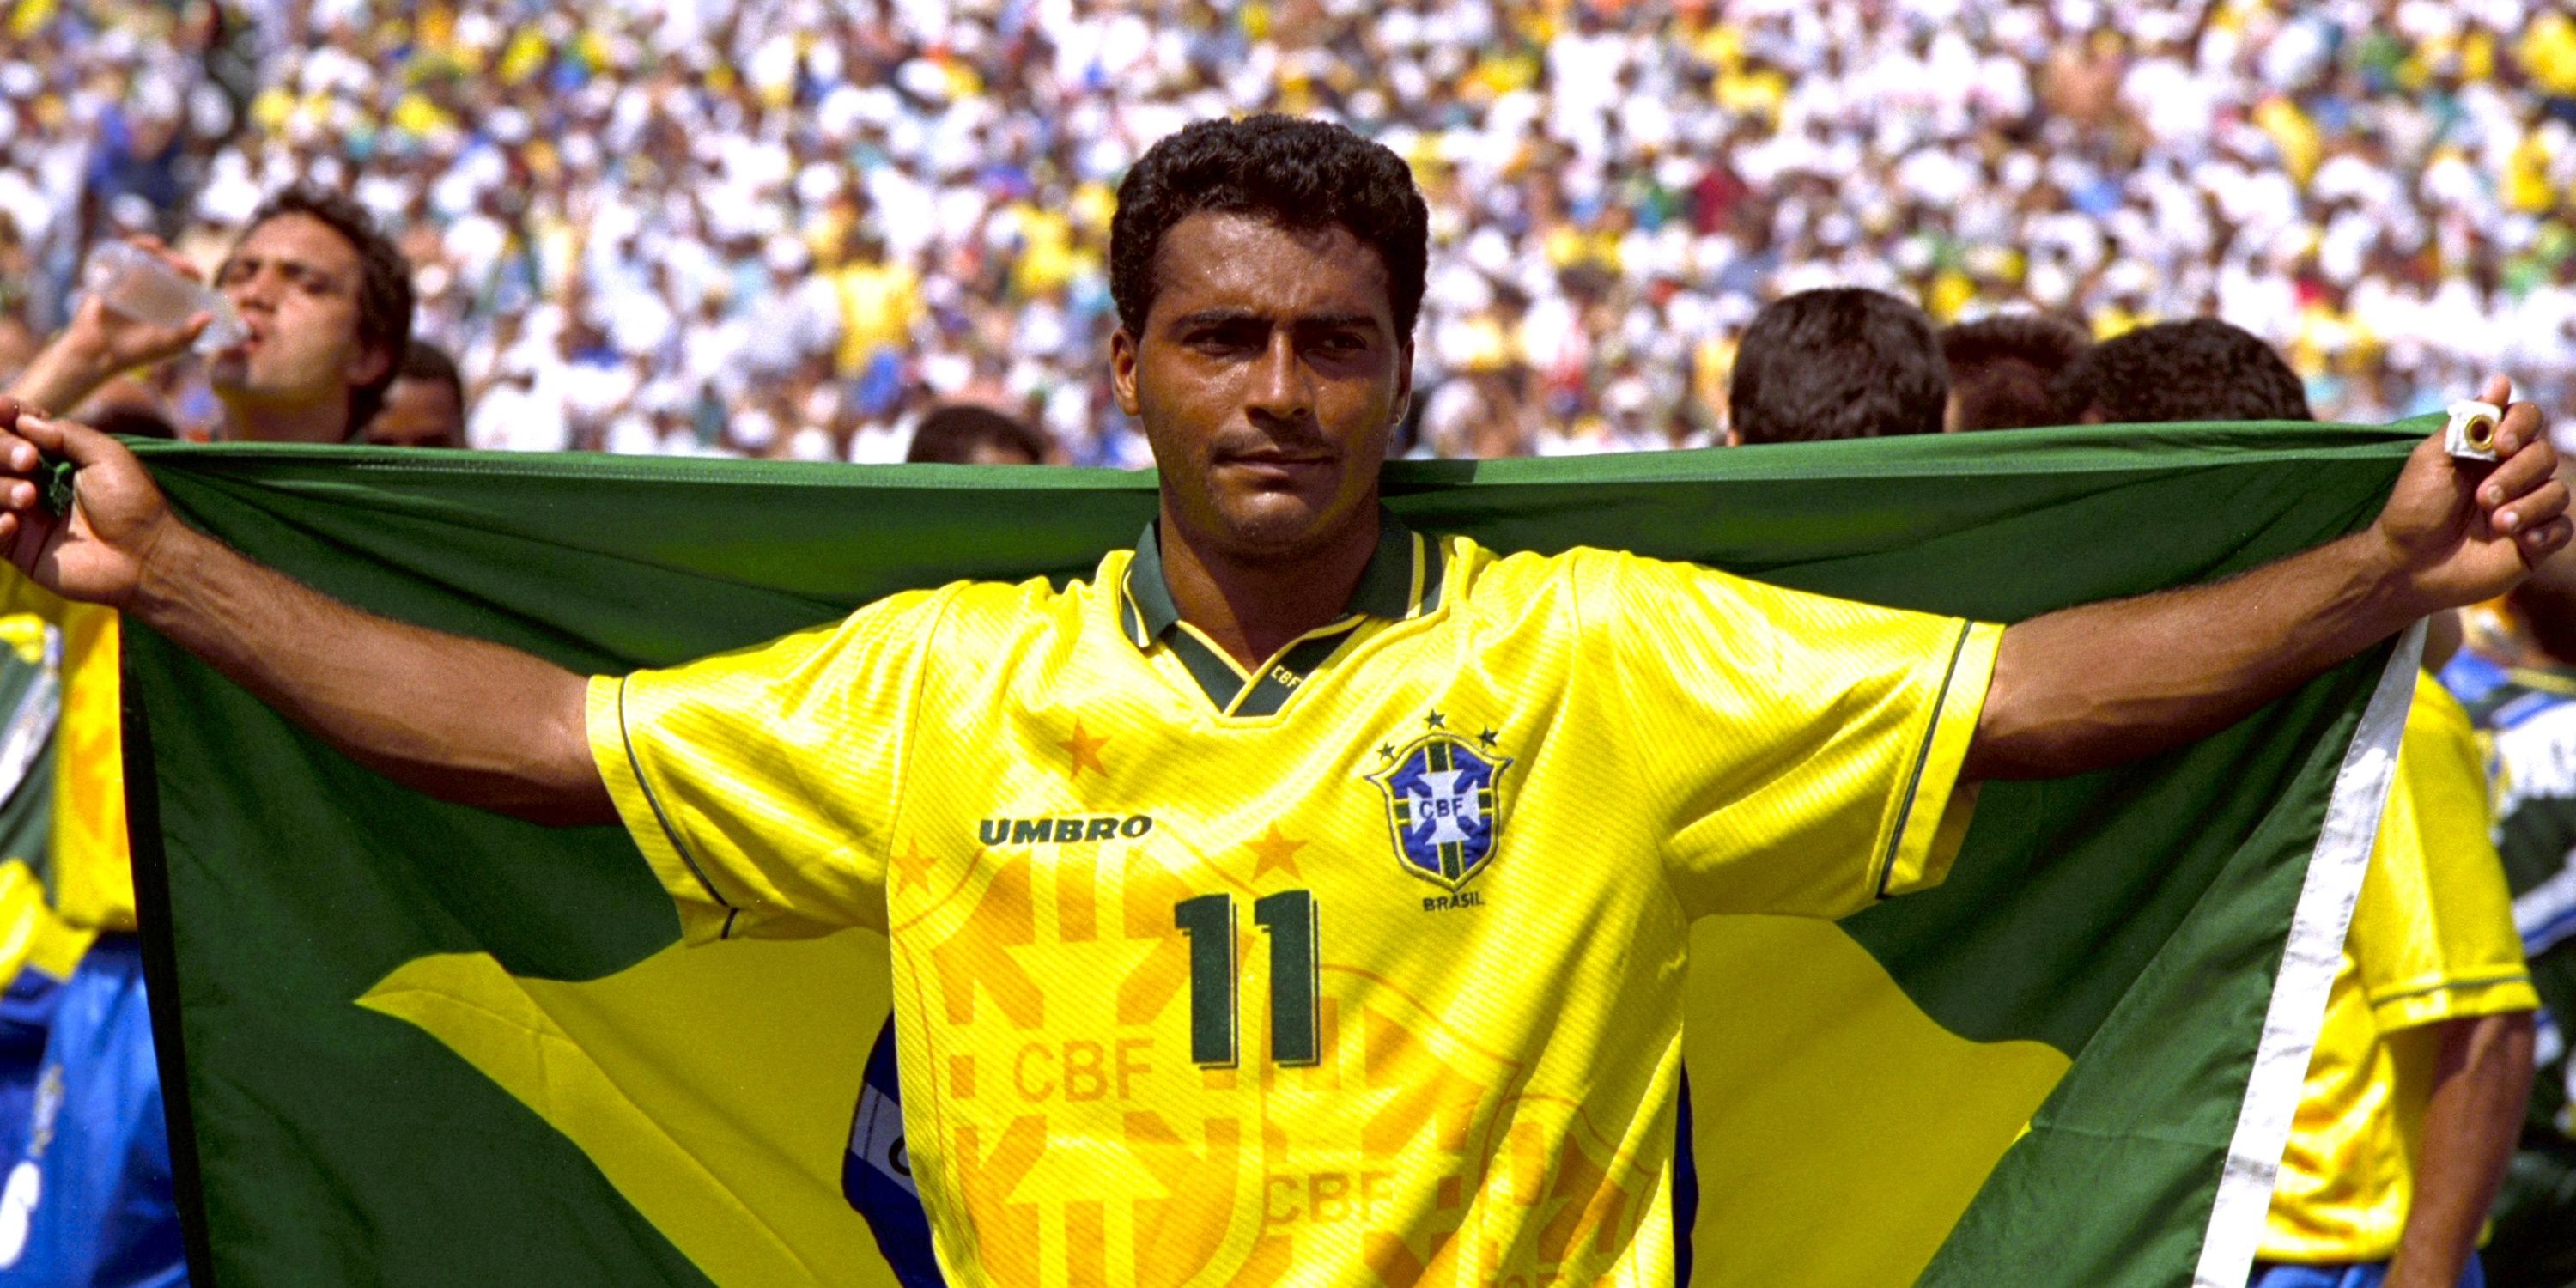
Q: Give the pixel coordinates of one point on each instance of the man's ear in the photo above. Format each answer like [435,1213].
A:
[1123,355]
[369,366]
[1403,383]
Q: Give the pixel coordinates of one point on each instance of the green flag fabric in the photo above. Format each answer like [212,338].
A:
[412,1043]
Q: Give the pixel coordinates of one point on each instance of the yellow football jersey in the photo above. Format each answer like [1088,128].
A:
[1366,960]
[91,873]
[2432,939]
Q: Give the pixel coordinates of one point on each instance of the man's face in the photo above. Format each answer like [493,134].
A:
[295,281]
[418,413]
[1268,378]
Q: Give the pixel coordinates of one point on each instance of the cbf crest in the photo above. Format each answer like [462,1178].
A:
[1444,801]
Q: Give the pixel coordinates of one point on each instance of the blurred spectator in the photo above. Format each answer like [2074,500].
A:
[598,197]
[2001,369]
[1836,363]
[325,297]
[2203,369]
[425,407]
[967,435]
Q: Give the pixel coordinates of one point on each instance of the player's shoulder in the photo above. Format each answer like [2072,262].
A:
[2433,714]
[972,610]
[1522,575]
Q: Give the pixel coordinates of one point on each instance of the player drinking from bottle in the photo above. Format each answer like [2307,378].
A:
[325,297]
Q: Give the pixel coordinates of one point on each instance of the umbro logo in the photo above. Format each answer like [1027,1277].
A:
[1071,829]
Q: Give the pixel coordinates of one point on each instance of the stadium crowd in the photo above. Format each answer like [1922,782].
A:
[786,227]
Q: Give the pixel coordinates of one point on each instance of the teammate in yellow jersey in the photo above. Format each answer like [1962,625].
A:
[2424,1059]
[2415,1093]
[1300,899]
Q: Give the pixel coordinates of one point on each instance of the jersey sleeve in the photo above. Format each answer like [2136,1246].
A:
[1800,754]
[761,784]
[2432,933]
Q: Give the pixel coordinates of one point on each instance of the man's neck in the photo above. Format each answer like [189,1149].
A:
[1253,608]
[322,423]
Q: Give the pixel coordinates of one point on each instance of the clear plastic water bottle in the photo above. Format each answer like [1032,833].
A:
[133,281]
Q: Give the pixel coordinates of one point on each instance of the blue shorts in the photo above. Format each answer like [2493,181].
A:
[2368,1274]
[876,1173]
[86,1202]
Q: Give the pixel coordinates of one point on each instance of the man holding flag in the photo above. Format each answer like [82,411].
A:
[1469,805]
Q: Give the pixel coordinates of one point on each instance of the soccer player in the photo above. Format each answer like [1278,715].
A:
[327,301]
[1300,893]
[964,434]
[2201,369]
[2528,701]
[1842,362]
[425,406]
[2001,369]
[2414,1091]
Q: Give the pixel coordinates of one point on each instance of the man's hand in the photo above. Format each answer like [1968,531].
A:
[102,343]
[2458,532]
[98,553]
[2099,684]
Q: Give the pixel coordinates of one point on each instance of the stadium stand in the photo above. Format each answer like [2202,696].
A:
[787,228]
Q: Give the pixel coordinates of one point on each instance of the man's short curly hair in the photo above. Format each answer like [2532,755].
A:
[384,282]
[2202,369]
[1296,173]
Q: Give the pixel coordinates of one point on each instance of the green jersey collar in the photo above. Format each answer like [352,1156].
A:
[1402,580]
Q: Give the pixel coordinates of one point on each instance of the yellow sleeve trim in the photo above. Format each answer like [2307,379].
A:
[1933,812]
[2500,992]
[705,916]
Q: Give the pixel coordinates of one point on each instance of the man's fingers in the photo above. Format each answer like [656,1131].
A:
[69,439]
[2524,470]
[2520,427]
[17,454]
[2538,543]
[2544,503]
[2499,391]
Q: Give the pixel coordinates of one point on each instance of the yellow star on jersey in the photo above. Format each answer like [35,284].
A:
[1085,749]
[1274,851]
[912,867]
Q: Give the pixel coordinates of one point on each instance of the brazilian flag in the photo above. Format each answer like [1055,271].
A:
[411,1043]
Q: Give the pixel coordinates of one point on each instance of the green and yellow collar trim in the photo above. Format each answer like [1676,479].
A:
[1402,581]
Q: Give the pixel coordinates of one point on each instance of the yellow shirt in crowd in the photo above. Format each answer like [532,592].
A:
[1370,954]
[92,874]
[2432,939]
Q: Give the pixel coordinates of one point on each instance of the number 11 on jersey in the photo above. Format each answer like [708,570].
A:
[1215,977]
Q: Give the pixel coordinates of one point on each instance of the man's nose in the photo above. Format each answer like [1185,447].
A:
[1282,388]
[253,290]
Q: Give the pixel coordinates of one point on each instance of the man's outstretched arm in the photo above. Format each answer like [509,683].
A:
[2095,685]
[462,719]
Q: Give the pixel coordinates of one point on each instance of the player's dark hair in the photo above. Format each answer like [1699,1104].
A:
[2001,369]
[425,361]
[2203,369]
[384,283]
[1295,173]
[1837,363]
[952,433]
